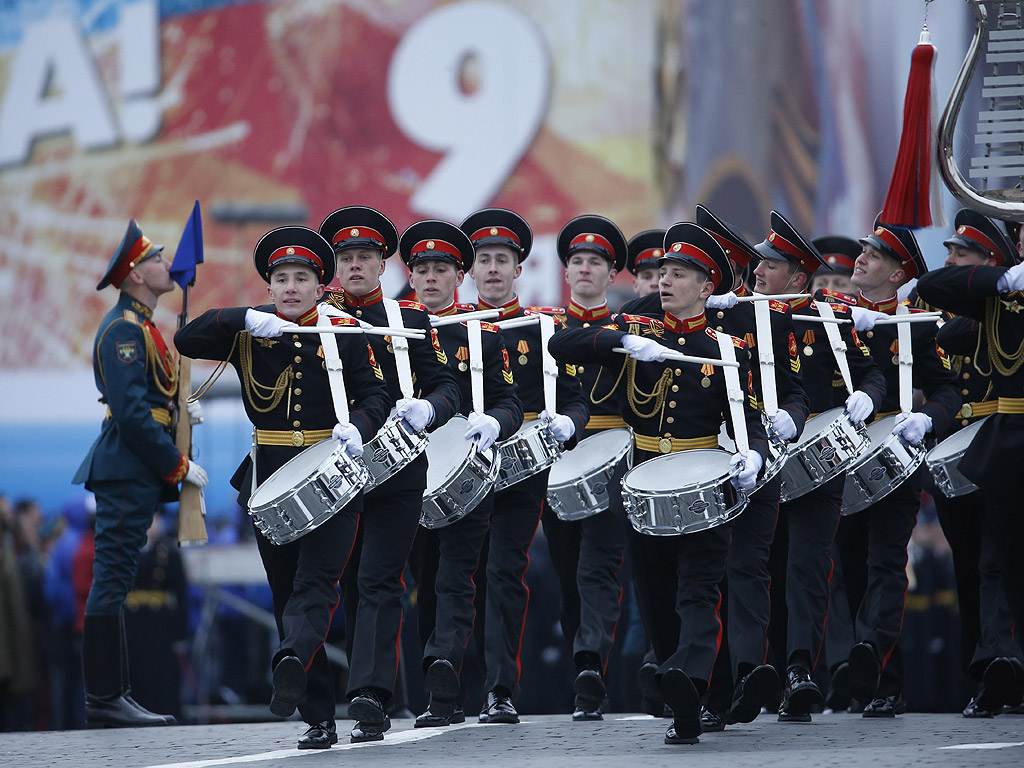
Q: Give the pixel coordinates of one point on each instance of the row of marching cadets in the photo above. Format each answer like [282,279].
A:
[438,435]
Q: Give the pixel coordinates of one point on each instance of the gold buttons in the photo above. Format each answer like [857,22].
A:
[965,391]
[298,344]
[678,371]
[671,403]
[298,374]
[297,407]
[870,334]
[297,391]
[719,329]
[391,349]
[298,358]
[680,341]
[295,337]
[580,369]
[964,422]
[586,325]
[721,314]
[966,376]
[359,313]
[296,423]
[675,387]
[669,419]
[967,358]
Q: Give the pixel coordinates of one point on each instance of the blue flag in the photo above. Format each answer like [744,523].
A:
[190,250]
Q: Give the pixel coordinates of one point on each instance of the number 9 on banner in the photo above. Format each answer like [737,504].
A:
[482,133]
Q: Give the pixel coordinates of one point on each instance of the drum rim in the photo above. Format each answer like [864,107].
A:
[717,478]
[621,451]
[336,449]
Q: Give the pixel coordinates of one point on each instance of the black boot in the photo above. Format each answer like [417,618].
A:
[126,684]
[105,703]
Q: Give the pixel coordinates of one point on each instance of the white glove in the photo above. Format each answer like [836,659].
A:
[912,427]
[864,319]
[416,413]
[783,425]
[196,475]
[749,464]
[644,350]
[349,438]
[1012,279]
[904,291]
[483,429]
[859,407]
[195,412]
[725,301]
[560,426]
[264,324]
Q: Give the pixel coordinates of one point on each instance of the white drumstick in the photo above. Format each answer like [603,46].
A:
[824,320]
[480,314]
[375,330]
[515,322]
[771,297]
[916,317]
[670,355]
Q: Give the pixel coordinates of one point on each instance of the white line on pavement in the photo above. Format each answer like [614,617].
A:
[991,745]
[401,737]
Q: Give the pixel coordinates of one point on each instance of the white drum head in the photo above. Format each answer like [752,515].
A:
[955,443]
[678,470]
[447,451]
[295,472]
[880,429]
[816,425]
[589,454]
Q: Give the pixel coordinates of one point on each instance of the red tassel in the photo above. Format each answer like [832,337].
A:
[907,201]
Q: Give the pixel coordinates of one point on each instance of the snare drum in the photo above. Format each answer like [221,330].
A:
[578,483]
[886,463]
[529,451]
[778,451]
[391,450]
[944,461]
[682,492]
[306,492]
[458,476]
[829,445]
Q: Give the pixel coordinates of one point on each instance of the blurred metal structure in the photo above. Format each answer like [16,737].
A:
[997,159]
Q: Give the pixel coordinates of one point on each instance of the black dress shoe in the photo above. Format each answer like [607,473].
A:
[442,682]
[711,721]
[680,694]
[864,670]
[997,685]
[757,689]
[459,715]
[499,709]
[116,711]
[435,717]
[973,710]
[886,706]
[799,696]
[650,697]
[289,685]
[580,715]
[371,719]
[589,690]
[319,736]
[839,693]
[168,719]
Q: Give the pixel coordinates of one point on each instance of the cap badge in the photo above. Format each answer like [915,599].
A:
[771,237]
[961,229]
[590,238]
[677,246]
[494,231]
[290,251]
[657,252]
[430,245]
[354,232]
[880,230]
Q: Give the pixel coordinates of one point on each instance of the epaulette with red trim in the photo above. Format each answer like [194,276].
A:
[466,307]
[830,295]
[488,327]
[406,304]
[345,321]
[643,319]
[545,310]
[840,309]
[779,306]
[738,343]
[915,310]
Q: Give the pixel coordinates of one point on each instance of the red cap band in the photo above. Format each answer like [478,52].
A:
[650,253]
[982,239]
[591,240]
[435,246]
[484,232]
[139,249]
[362,232]
[291,251]
[733,251]
[714,274]
[890,239]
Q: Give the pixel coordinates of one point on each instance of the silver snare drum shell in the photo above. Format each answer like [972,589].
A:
[391,450]
[829,445]
[943,461]
[306,492]
[458,476]
[578,483]
[529,451]
[682,492]
[886,463]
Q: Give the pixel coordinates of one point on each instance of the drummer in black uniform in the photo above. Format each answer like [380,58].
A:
[287,396]
[587,554]
[502,241]
[445,559]
[810,521]
[748,608]
[363,239]
[873,542]
[990,654]
[644,252]
[686,405]
[839,253]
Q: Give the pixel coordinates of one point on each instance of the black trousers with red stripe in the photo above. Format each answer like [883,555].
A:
[374,583]
[303,577]
[514,521]
[873,548]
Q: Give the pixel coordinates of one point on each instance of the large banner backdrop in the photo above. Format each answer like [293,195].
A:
[281,111]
